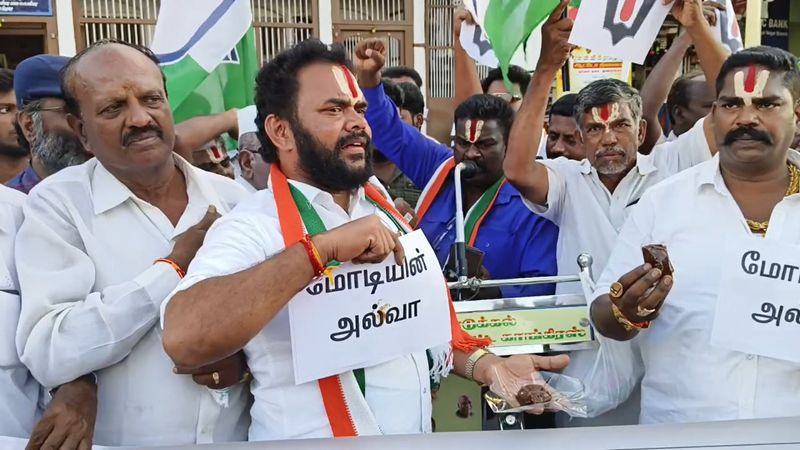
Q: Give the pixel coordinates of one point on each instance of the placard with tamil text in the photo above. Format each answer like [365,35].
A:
[758,308]
[368,314]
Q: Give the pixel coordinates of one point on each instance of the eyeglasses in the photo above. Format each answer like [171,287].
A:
[510,98]
[8,109]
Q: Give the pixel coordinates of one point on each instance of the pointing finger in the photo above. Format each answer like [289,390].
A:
[399,251]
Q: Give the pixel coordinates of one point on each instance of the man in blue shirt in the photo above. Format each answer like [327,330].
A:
[516,242]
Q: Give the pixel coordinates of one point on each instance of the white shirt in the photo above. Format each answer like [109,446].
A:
[249,188]
[91,297]
[397,392]
[19,391]
[685,378]
[669,138]
[589,218]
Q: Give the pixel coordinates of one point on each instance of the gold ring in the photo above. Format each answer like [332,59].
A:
[215,377]
[616,289]
[644,312]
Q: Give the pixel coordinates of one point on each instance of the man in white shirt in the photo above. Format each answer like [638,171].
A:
[590,199]
[101,246]
[69,418]
[313,130]
[19,392]
[746,194]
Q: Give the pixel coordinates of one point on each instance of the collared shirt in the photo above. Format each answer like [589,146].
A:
[25,181]
[516,242]
[19,392]
[668,138]
[91,296]
[245,184]
[397,391]
[686,379]
[589,216]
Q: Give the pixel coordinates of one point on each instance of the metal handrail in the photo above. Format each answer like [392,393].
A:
[584,262]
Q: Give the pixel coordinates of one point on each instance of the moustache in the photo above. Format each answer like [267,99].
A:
[746,132]
[141,133]
[356,137]
[609,152]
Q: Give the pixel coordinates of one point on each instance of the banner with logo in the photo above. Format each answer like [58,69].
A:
[624,29]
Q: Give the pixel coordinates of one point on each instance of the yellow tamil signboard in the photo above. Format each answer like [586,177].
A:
[539,326]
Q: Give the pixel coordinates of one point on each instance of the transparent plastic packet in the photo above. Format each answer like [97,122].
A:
[536,392]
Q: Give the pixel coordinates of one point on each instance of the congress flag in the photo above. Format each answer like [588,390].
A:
[208,54]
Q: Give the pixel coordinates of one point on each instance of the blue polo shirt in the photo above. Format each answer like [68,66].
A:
[517,242]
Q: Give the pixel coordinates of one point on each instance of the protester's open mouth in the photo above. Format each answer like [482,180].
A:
[357,147]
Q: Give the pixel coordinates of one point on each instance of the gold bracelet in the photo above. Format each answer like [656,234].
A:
[469,367]
[627,324]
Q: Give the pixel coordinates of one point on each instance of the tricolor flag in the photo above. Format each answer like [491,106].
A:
[509,23]
[208,54]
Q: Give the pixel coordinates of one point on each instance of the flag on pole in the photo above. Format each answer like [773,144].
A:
[509,23]
[208,54]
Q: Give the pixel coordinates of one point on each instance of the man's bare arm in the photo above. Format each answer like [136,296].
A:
[657,86]
[520,166]
[193,133]
[692,15]
[217,317]
[467,82]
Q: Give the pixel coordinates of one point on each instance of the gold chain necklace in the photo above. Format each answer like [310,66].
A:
[794,188]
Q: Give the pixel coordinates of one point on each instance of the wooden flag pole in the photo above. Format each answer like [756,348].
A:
[752,33]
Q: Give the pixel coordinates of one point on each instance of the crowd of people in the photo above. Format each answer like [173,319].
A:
[146,267]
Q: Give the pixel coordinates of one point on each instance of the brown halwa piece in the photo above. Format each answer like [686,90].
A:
[656,255]
[532,394]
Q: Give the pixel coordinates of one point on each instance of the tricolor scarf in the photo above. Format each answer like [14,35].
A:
[475,216]
[343,394]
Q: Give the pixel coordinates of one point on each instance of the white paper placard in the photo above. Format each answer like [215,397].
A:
[370,313]
[624,29]
[758,308]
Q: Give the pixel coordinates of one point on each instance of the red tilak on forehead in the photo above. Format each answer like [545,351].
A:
[473,130]
[627,10]
[351,82]
[605,112]
[750,79]
[215,151]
